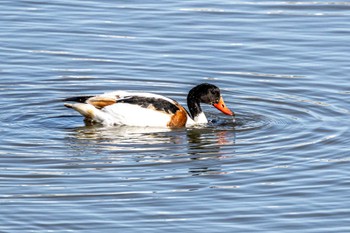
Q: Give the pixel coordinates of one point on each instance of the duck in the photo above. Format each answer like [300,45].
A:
[148,109]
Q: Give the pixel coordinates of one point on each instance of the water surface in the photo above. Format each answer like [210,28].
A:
[283,68]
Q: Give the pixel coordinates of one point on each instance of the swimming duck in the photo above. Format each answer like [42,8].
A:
[146,109]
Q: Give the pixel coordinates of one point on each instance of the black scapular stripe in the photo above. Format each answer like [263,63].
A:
[79,99]
[146,102]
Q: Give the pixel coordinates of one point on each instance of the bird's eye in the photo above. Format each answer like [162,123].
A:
[213,92]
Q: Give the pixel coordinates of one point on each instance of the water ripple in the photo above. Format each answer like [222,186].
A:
[282,164]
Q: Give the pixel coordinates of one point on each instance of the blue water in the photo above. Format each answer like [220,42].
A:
[282,66]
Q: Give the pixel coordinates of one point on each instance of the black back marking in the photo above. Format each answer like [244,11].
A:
[150,102]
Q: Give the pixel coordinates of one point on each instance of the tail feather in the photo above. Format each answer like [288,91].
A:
[68,105]
[86,110]
[89,112]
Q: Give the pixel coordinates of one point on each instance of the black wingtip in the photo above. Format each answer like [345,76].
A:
[79,99]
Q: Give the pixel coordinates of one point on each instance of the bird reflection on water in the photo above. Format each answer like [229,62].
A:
[155,145]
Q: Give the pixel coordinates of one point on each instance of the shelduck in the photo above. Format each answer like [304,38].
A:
[146,109]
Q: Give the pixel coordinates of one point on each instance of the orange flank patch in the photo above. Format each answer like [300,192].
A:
[101,102]
[179,119]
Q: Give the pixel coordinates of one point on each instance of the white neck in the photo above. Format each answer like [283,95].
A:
[201,118]
[198,120]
